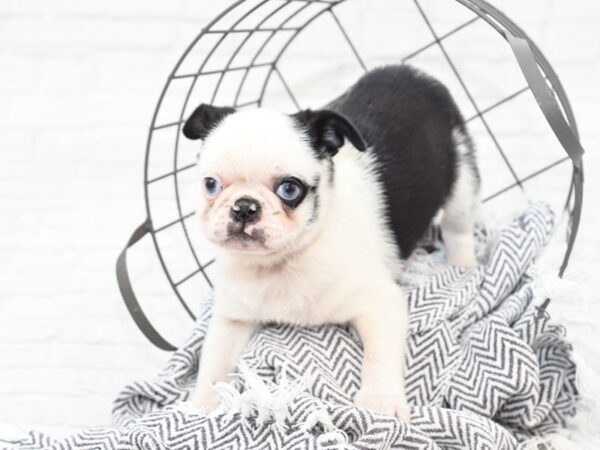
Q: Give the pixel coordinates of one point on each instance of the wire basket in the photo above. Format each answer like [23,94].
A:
[249,56]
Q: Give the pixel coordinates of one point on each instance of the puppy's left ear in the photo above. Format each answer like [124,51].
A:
[327,130]
[204,119]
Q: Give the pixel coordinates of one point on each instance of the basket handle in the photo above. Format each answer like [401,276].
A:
[133,306]
[562,129]
[546,99]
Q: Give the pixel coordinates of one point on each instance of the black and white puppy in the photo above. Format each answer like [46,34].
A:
[311,213]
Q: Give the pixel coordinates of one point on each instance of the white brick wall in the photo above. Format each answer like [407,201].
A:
[78,84]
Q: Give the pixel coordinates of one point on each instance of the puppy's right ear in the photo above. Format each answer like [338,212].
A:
[204,119]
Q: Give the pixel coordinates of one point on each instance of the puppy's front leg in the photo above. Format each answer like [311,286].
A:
[383,330]
[224,342]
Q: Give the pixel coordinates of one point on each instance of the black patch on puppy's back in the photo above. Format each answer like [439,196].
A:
[407,118]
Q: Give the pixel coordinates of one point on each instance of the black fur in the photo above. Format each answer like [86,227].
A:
[314,192]
[204,119]
[407,120]
[327,130]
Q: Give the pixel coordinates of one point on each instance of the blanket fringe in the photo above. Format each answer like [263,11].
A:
[268,400]
[332,435]
[265,400]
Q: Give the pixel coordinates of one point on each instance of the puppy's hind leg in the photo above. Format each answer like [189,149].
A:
[458,219]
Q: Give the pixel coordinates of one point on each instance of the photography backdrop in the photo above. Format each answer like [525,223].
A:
[78,85]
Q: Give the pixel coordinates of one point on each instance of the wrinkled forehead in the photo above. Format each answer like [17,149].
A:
[256,146]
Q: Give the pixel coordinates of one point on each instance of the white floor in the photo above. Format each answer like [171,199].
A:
[78,84]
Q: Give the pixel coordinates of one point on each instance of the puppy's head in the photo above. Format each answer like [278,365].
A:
[266,176]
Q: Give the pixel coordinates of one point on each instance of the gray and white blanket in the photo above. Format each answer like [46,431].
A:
[485,370]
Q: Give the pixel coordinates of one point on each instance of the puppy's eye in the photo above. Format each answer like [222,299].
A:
[290,191]
[212,187]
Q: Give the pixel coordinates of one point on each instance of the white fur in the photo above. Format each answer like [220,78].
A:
[313,285]
[339,268]
[458,220]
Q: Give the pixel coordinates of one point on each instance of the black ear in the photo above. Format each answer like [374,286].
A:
[327,130]
[204,119]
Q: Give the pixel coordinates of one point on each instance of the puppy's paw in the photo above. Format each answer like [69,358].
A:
[205,397]
[460,249]
[391,402]
[464,259]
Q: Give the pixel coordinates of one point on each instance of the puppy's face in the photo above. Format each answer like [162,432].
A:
[265,176]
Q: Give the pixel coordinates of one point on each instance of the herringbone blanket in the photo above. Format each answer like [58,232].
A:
[485,370]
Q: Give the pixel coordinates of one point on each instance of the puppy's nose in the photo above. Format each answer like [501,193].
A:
[245,210]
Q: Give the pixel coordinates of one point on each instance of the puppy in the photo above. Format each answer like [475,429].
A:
[312,212]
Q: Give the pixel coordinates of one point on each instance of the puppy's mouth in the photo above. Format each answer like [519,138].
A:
[238,234]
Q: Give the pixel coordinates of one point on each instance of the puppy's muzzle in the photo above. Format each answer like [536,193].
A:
[245,210]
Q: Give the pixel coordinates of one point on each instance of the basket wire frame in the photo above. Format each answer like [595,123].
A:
[309,11]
